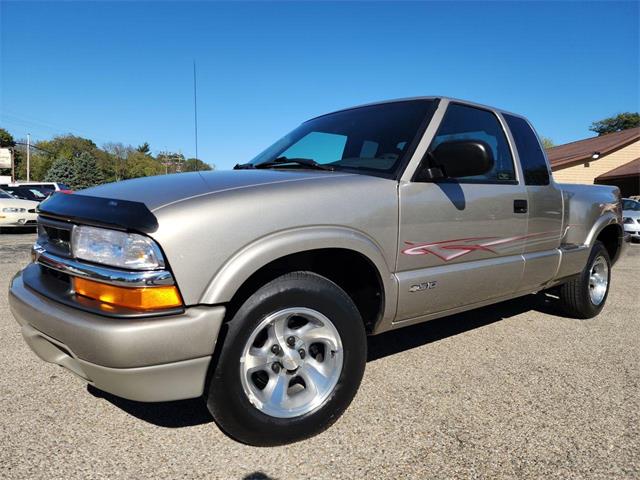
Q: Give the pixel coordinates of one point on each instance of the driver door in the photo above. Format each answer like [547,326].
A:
[461,241]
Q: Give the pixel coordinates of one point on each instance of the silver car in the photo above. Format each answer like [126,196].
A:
[631,218]
[256,288]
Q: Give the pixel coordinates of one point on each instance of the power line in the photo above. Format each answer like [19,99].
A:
[33,146]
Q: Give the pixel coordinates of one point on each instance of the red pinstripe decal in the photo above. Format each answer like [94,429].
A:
[461,248]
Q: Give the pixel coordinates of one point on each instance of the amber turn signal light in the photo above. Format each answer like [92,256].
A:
[136,298]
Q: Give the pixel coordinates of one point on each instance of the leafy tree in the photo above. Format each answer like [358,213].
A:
[62,170]
[622,121]
[68,146]
[116,161]
[144,148]
[547,142]
[41,163]
[195,165]
[141,165]
[6,139]
[62,146]
[86,172]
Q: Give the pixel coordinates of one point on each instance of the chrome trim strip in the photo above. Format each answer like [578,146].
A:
[122,278]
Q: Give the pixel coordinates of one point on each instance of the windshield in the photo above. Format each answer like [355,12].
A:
[4,194]
[373,139]
[44,188]
[26,193]
[630,205]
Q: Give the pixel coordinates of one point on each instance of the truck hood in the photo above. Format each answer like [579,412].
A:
[159,191]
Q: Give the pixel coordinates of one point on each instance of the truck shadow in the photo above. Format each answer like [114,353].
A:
[187,413]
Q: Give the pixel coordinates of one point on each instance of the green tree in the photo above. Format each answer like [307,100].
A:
[144,148]
[61,146]
[67,146]
[115,165]
[62,170]
[6,139]
[141,165]
[622,121]
[86,172]
[547,142]
[195,165]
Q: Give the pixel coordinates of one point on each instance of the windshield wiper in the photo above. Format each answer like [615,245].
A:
[243,166]
[305,162]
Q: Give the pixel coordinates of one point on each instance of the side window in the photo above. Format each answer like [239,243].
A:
[462,122]
[531,156]
[320,146]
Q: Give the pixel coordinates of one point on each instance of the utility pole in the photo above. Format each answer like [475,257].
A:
[28,157]
[13,164]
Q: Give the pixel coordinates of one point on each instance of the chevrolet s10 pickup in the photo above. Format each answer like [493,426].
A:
[256,288]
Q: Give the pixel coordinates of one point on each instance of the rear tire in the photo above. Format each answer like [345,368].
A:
[584,296]
[312,330]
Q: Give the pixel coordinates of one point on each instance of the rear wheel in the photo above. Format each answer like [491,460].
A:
[584,296]
[291,362]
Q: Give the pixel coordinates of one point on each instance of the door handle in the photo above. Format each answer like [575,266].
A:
[520,206]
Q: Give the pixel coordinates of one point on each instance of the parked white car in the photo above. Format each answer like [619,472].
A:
[15,212]
[631,218]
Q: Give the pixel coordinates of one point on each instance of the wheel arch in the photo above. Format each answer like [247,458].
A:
[328,251]
[611,236]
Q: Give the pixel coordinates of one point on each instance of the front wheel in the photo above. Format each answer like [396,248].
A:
[584,296]
[291,362]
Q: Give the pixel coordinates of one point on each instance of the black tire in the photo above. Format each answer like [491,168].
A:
[226,399]
[575,299]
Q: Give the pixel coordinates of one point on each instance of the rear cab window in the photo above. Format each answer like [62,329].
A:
[532,159]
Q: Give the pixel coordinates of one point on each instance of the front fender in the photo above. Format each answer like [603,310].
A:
[230,277]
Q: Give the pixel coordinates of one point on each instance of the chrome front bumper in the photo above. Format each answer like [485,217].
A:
[147,359]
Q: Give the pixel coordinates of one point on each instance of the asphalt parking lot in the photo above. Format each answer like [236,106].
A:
[509,391]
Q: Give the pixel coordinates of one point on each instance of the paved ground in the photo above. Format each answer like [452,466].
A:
[507,391]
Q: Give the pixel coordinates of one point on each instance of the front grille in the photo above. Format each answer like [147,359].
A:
[55,236]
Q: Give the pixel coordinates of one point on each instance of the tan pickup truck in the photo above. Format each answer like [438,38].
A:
[256,288]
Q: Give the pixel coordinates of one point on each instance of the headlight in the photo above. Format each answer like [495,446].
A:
[14,210]
[117,249]
[627,220]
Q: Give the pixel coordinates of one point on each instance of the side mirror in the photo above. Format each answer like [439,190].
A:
[461,158]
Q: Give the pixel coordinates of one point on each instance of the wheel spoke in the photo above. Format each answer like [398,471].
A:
[276,390]
[256,359]
[281,331]
[314,376]
[312,333]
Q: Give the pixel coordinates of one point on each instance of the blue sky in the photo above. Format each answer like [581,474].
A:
[122,71]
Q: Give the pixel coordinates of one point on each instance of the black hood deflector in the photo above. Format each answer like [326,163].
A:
[98,211]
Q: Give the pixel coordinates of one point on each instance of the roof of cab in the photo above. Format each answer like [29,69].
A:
[435,97]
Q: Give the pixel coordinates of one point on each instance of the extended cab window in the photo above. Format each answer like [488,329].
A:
[462,122]
[531,156]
